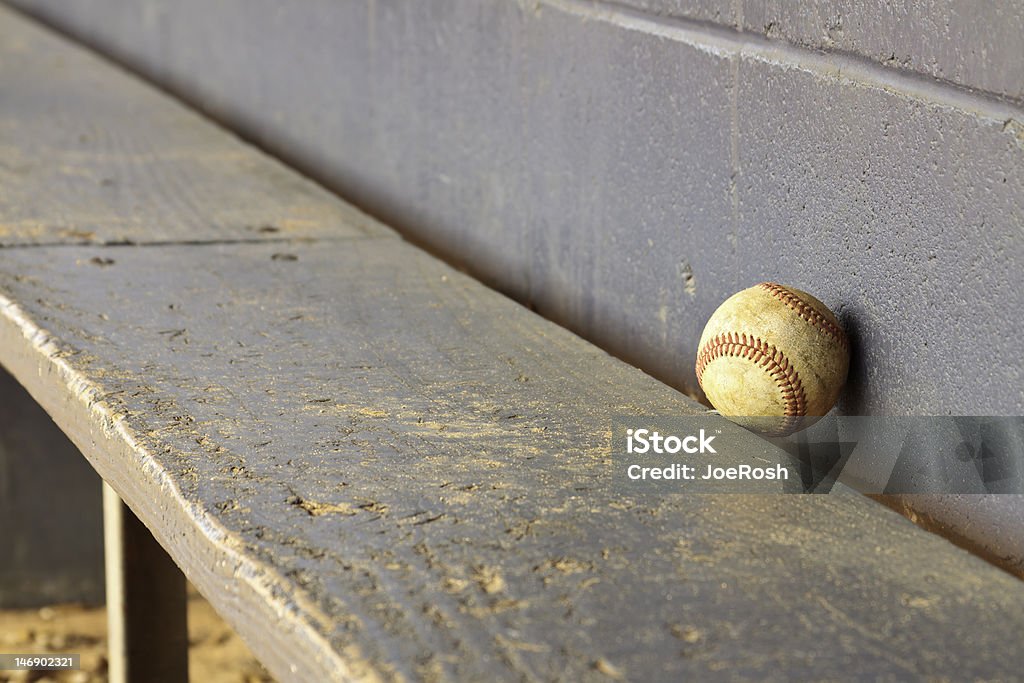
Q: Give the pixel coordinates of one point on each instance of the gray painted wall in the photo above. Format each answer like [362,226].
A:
[979,45]
[51,519]
[623,172]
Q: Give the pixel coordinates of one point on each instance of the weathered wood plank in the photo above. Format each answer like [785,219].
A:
[88,154]
[375,467]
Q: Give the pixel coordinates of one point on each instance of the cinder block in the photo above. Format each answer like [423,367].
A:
[905,216]
[625,219]
[975,44]
[725,12]
[979,45]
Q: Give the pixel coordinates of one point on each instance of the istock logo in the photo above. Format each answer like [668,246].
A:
[646,441]
[946,454]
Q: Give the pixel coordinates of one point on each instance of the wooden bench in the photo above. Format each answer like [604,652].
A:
[376,468]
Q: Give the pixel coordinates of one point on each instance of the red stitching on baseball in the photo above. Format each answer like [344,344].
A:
[765,355]
[807,312]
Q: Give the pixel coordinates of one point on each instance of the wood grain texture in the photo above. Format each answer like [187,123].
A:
[88,154]
[375,468]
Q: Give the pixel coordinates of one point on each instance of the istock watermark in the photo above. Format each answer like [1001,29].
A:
[698,455]
[645,440]
[879,455]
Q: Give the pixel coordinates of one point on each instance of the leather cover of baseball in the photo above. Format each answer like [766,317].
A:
[773,358]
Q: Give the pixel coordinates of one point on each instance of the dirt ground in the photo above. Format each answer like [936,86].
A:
[216,653]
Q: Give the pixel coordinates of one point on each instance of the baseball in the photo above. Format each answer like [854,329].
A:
[773,359]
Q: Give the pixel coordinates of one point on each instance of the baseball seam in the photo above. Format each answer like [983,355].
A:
[763,354]
[807,312]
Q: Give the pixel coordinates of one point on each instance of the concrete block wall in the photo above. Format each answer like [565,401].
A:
[624,168]
[978,45]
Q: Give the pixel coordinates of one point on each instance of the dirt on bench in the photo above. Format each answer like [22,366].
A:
[216,653]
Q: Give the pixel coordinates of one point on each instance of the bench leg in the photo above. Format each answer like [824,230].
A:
[146,602]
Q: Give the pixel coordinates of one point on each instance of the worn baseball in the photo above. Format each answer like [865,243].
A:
[773,359]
